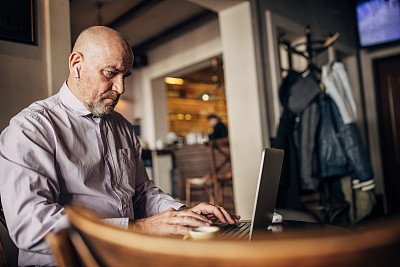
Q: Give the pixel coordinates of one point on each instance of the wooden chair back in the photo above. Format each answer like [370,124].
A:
[2,217]
[8,250]
[191,161]
[378,245]
[220,157]
[221,169]
[63,251]
[3,261]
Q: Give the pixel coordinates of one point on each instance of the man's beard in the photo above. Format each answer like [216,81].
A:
[100,109]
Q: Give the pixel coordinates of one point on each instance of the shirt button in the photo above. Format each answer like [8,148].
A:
[124,206]
[106,156]
[113,183]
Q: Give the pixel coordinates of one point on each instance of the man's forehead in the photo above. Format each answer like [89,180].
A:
[115,55]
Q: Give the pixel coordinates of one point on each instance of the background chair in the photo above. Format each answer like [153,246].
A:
[98,244]
[193,165]
[218,175]
[221,170]
[205,183]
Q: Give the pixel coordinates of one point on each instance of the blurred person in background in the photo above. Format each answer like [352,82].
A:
[220,129]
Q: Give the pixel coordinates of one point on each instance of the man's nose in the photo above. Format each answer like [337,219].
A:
[118,85]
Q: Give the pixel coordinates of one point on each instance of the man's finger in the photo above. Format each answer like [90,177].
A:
[227,216]
[217,213]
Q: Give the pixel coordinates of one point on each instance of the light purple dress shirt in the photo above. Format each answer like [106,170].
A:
[56,152]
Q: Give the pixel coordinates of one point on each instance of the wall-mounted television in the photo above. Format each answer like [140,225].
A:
[378,22]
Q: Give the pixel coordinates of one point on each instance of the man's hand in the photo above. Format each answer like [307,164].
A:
[215,213]
[171,222]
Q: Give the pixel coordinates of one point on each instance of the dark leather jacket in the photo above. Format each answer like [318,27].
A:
[340,146]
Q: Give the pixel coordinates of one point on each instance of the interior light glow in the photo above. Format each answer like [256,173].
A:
[171,80]
[205,97]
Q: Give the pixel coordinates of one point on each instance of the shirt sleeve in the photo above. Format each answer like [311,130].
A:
[149,200]
[28,183]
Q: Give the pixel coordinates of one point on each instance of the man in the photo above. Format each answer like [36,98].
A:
[220,130]
[72,147]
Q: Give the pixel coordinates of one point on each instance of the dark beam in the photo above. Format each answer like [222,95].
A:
[134,12]
[175,31]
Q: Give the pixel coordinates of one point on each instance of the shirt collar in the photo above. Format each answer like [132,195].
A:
[70,100]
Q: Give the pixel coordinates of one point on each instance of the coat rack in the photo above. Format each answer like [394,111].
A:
[313,48]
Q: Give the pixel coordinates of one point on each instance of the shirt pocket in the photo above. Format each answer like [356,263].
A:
[127,166]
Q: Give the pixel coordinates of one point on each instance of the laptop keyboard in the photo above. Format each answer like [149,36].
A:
[234,231]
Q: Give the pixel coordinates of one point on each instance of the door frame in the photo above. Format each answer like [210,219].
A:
[381,126]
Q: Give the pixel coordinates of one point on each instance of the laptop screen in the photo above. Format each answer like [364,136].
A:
[267,189]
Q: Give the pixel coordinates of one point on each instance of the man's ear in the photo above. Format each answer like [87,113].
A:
[74,59]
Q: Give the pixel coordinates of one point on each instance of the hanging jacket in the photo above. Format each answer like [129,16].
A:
[296,135]
[304,102]
[289,185]
[332,157]
[336,82]
[341,150]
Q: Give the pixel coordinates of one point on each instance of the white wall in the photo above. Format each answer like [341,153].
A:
[58,43]
[243,104]
[32,72]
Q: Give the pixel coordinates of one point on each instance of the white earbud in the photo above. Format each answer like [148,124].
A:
[76,71]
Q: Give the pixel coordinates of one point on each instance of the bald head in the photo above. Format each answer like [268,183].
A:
[97,38]
[100,61]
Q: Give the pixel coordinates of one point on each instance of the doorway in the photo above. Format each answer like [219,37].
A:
[387,77]
[192,96]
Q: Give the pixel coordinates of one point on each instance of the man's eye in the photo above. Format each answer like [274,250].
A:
[109,74]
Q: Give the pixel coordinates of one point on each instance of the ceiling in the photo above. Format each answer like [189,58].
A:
[147,24]
[144,23]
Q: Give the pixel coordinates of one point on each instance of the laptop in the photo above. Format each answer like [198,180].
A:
[264,203]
